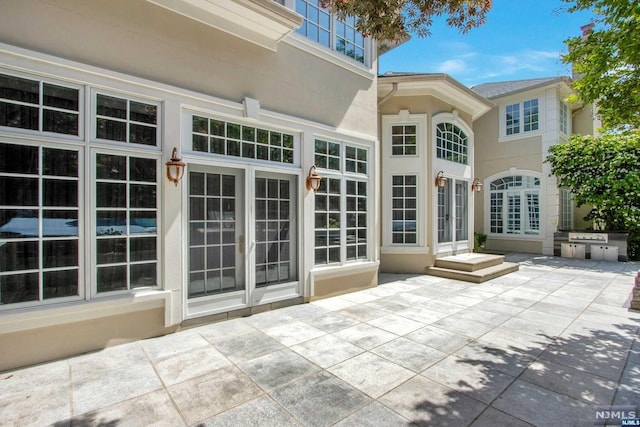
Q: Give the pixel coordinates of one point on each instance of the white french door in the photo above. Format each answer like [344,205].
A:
[453,216]
[242,245]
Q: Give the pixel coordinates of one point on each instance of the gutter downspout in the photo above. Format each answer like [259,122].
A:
[388,96]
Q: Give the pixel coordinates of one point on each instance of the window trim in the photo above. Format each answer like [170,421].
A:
[333,36]
[564,122]
[129,97]
[521,134]
[92,263]
[57,82]
[343,176]
[83,286]
[541,205]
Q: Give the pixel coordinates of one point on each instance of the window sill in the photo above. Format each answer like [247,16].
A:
[335,58]
[519,136]
[405,249]
[333,271]
[50,315]
[532,237]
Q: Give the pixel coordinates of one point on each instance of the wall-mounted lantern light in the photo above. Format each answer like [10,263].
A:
[175,167]
[441,180]
[476,185]
[313,179]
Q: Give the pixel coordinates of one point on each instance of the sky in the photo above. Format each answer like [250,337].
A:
[521,39]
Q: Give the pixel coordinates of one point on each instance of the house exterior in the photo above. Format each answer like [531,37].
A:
[426,133]
[521,206]
[98,246]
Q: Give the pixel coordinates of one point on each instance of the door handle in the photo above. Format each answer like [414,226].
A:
[241,244]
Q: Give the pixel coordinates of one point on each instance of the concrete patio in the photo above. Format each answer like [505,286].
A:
[544,346]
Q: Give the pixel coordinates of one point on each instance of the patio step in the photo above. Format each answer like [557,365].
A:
[469,262]
[477,276]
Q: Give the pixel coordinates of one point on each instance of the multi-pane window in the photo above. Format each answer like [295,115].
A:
[39,223]
[451,143]
[566,209]
[323,27]
[356,226]
[513,119]
[212,228]
[232,139]
[404,199]
[327,155]
[273,224]
[126,204]
[564,118]
[39,106]
[530,117]
[515,205]
[404,140]
[328,221]
[341,203]
[125,120]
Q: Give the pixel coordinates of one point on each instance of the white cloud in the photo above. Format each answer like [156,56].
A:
[452,66]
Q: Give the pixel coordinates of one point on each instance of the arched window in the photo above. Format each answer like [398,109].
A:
[515,205]
[451,143]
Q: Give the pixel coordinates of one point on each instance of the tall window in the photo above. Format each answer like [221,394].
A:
[404,140]
[341,203]
[42,209]
[39,223]
[451,143]
[404,209]
[515,205]
[566,210]
[564,118]
[232,139]
[39,106]
[530,121]
[126,222]
[323,27]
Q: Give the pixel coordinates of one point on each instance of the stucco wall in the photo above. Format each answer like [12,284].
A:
[54,342]
[406,263]
[144,40]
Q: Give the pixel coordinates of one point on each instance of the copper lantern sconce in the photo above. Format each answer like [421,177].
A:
[313,179]
[175,167]
[476,185]
[440,179]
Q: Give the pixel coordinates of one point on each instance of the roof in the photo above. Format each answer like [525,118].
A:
[440,85]
[498,89]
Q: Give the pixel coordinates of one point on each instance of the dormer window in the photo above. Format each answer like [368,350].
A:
[529,122]
[325,28]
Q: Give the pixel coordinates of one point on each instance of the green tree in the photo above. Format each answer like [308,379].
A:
[604,172]
[608,60]
[394,19]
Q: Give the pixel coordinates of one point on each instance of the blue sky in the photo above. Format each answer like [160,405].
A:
[521,39]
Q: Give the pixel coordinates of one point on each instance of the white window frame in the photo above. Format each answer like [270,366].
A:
[147,154]
[522,193]
[343,176]
[333,35]
[128,98]
[462,145]
[566,210]
[564,118]
[82,284]
[41,107]
[518,130]
[404,210]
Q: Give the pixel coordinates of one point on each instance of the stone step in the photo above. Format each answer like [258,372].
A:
[469,262]
[477,276]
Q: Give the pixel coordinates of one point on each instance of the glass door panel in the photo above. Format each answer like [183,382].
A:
[462,211]
[444,212]
[216,237]
[275,230]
